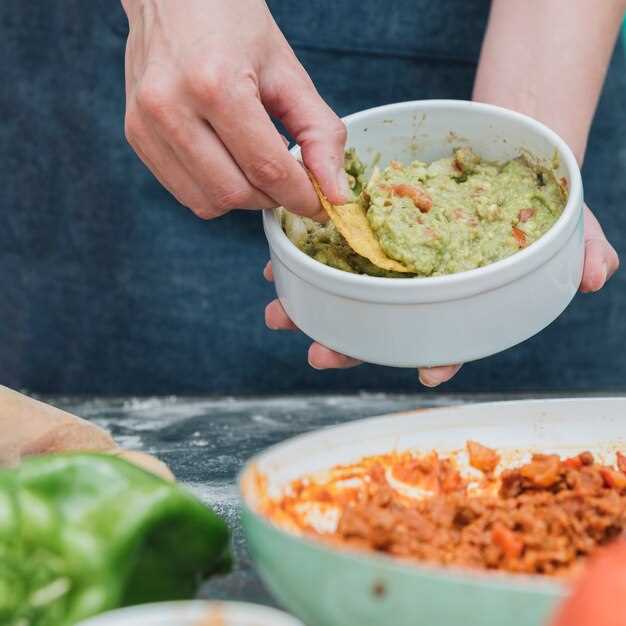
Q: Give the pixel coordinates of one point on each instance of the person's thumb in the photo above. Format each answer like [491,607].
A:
[320,134]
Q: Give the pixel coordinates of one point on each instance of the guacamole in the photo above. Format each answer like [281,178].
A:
[451,215]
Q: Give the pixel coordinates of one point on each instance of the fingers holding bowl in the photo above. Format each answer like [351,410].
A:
[276,318]
[320,357]
[601,259]
[435,376]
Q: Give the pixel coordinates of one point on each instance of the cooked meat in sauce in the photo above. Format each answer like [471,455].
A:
[543,517]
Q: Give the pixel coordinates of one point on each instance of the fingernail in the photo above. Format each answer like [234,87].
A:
[342,185]
[428,382]
[267,319]
[314,366]
[321,217]
[604,272]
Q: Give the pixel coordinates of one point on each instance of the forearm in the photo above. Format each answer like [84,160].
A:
[129,5]
[548,59]
[132,7]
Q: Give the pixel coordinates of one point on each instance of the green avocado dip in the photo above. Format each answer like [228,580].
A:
[451,215]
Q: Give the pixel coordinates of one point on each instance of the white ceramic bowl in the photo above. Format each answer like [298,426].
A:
[408,322]
[189,613]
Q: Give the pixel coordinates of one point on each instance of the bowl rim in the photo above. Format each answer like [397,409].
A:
[503,581]
[263,613]
[450,286]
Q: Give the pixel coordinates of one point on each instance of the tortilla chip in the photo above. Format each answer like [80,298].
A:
[351,222]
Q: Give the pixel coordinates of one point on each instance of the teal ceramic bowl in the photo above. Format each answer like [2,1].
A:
[325,586]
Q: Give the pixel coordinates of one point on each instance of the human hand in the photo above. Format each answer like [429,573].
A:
[201,84]
[601,262]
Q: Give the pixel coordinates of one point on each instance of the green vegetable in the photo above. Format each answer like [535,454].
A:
[85,533]
[355,170]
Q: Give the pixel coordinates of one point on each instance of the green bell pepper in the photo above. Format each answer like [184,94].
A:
[85,533]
